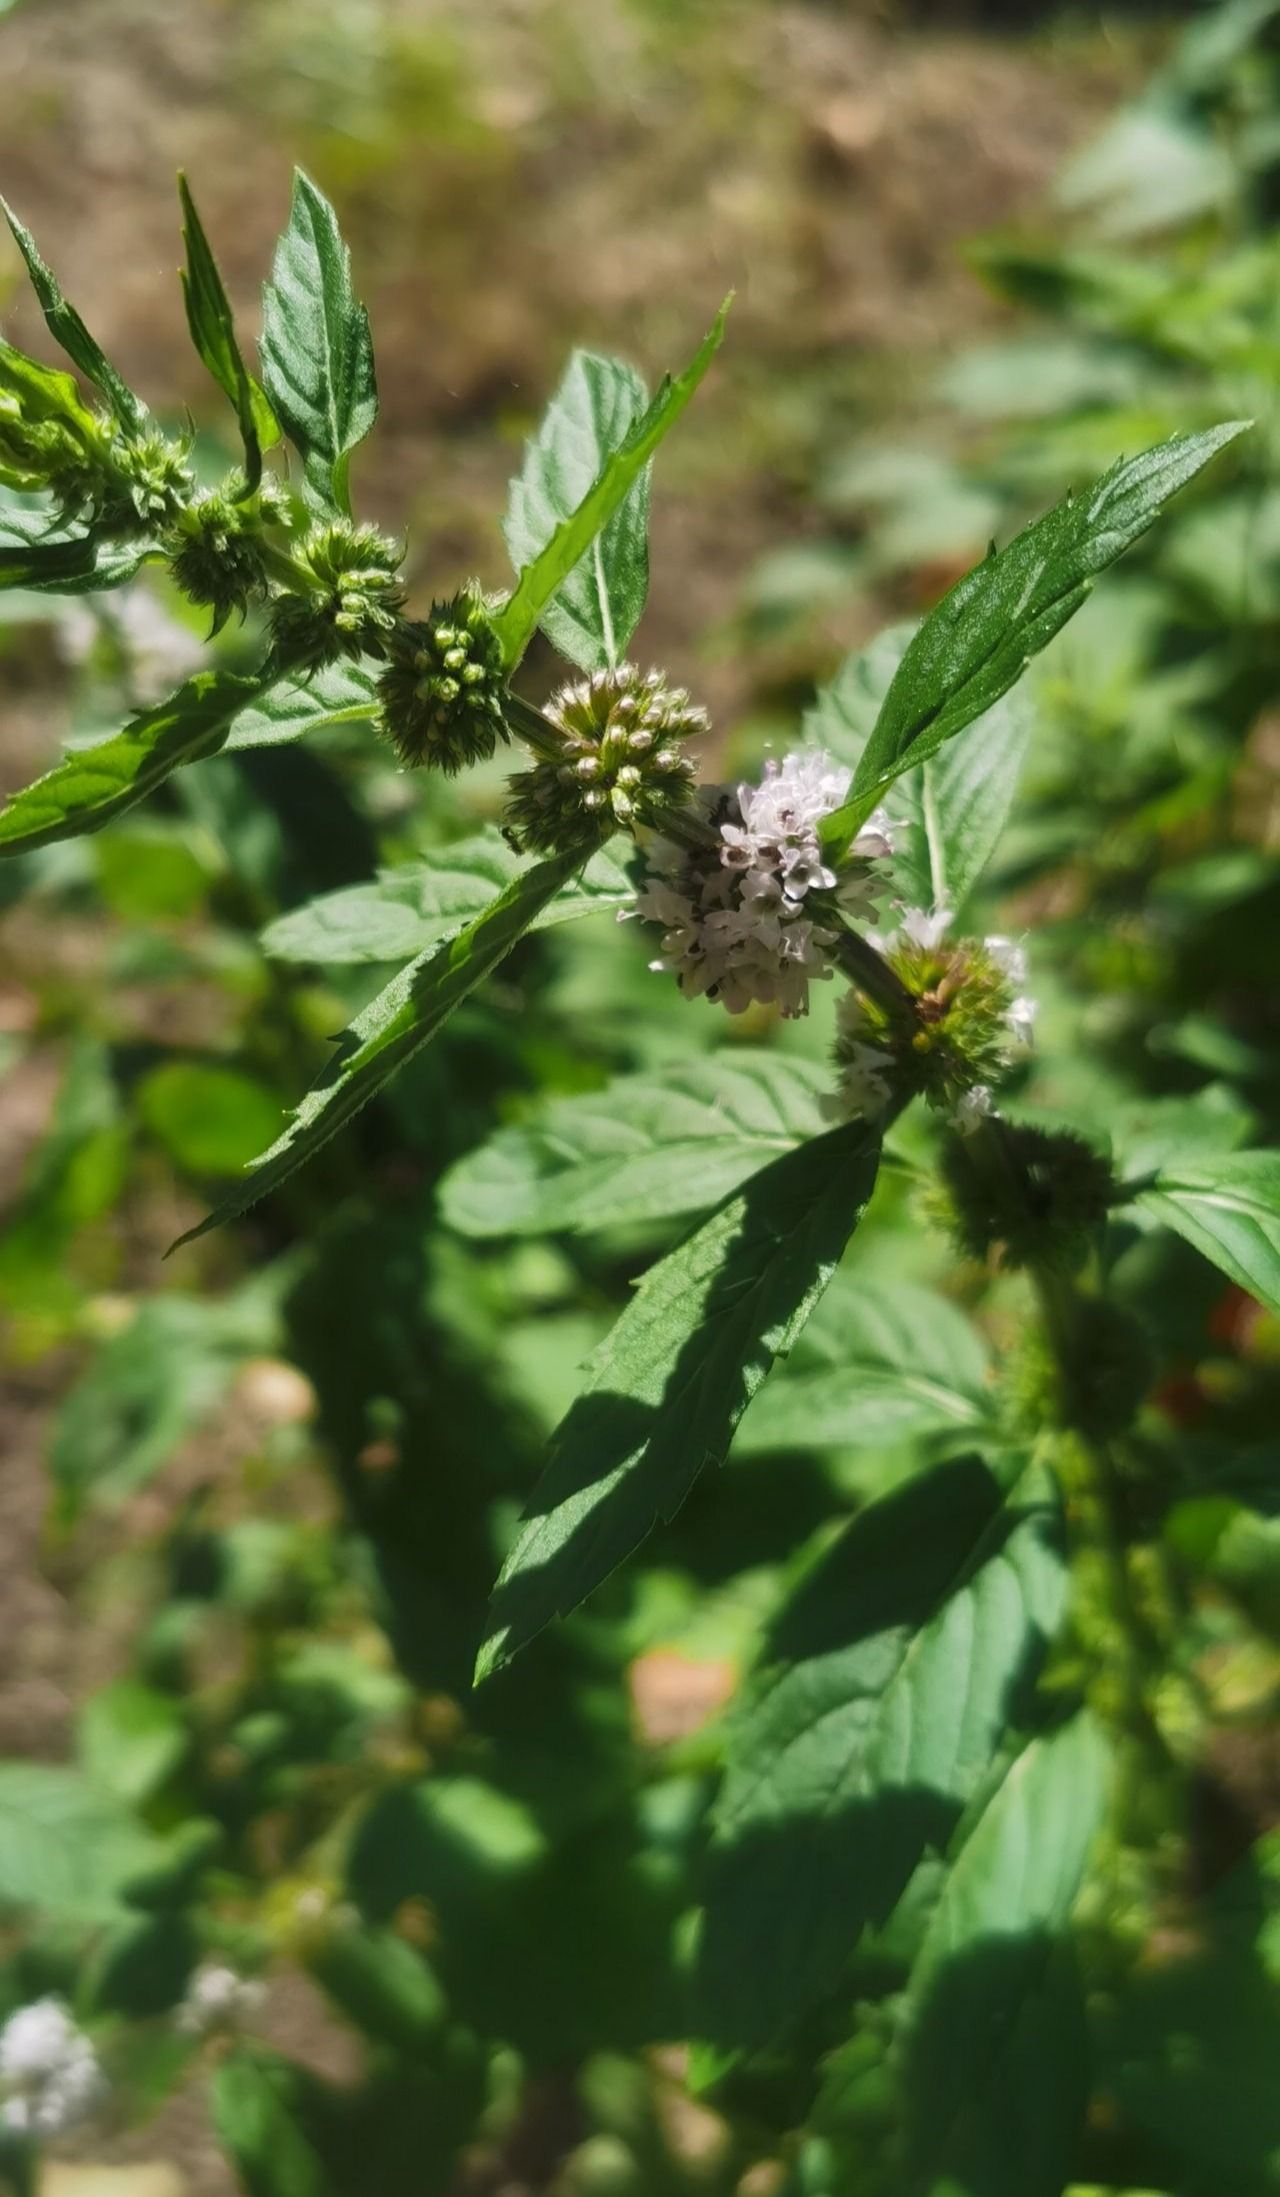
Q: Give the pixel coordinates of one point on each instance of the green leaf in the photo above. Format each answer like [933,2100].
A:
[132,1738]
[598,606]
[613,484]
[1229,1208]
[255,2105]
[644,1148]
[67,1849]
[66,326]
[885,1687]
[317,352]
[210,711]
[978,641]
[37,551]
[213,333]
[996,2076]
[149,1387]
[406,1014]
[672,1379]
[211,1119]
[947,813]
[343,694]
[417,904]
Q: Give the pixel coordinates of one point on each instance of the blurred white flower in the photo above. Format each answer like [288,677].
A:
[49,2073]
[218,1999]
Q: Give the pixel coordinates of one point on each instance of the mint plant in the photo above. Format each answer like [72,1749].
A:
[939,1770]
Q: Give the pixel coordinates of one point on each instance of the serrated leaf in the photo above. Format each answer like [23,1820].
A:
[317,352]
[598,605]
[87,789]
[417,904]
[288,709]
[213,332]
[993,2001]
[947,813]
[674,1376]
[211,711]
[644,1148]
[38,551]
[885,1687]
[1229,1208]
[406,1014]
[67,1849]
[978,641]
[67,328]
[573,536]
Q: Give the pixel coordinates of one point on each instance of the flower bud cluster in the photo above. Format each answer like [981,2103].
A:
[151,483]
[49,2072]
[971,1017]
[348,598]
[749,912]
[216,552]
[442,690]
[1037,1200]
[218,2001]
[619,760]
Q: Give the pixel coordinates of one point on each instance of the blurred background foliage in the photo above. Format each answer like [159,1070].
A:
[254,1499]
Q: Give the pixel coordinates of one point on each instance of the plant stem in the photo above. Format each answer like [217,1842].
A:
[871,973]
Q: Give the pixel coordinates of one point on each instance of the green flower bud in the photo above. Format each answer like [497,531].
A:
[442,690]
[621,761]
[348,600]
[969,1017]
[218,561]
[1034,1197]
[152,482]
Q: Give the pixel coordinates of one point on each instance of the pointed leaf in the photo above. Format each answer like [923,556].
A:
[886,1686]
[416,905]
[69,330]
[597,607]
[343,694]
[1228,1206]
[671,1381]
[994,2000]
[614,482]
[392,1028]
[642,1149]
[213,333]
[87,789]
[36,553]
[317,352]
[978,641]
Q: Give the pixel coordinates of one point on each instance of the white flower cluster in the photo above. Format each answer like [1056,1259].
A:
[218,2000]
[734,918]
[49,2072]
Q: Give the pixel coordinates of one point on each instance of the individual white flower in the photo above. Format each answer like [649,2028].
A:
[864,1089]
[733,911]
[49,2071]
[972,1108]
[1011,957]
[922,928]
[218,1999]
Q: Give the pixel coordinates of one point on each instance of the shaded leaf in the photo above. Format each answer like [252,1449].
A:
[978,641]
[672,1379]
[598,605]
[213,333]
[66,326]
[392,1028]
[317,352]
[255,2104]
[417,904]
[994,2000]
[885,1687]
[573,536]
[644,1148]
[1229,1208]
[39,552]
